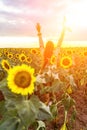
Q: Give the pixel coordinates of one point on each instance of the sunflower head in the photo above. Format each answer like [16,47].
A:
[69,52]
[53,60]
[28,59]
[66,62]
[34,51]
[10,55]
[5,65]
[6,52]
[21,79]
[22,57]
[17,55]
[85,53]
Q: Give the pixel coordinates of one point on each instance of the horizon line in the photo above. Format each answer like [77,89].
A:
[33,42]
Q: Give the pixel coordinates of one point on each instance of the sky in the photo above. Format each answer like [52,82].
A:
[18,18]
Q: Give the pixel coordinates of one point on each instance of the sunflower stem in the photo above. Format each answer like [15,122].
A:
[65,119]
[26,97]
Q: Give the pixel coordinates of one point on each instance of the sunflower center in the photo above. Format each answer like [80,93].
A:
[22,79]
[66,62]
[53,60]
[6,66]
[23,58]
[34,51]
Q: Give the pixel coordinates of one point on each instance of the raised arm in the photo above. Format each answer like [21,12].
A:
[62,34]
[59,43]
[41,44]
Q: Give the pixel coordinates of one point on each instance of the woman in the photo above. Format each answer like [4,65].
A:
[48,50]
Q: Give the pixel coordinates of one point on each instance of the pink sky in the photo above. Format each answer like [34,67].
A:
[19,17]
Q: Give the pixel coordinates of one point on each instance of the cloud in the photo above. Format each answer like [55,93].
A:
[19,17]
[22,14]
[8,8]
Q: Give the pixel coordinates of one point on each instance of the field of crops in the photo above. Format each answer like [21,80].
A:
[55,99]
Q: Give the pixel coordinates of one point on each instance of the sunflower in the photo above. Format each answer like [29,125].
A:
[69,52]
[6,51]
[16,55]
[53,60]
[5,65]
[10,55]
[66,62]
[85,53]
[28,59]
[21,80]
[22,57]
[33,51]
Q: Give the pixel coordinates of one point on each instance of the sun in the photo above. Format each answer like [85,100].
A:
[76,16]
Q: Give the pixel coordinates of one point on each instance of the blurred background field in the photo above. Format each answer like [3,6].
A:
[31,56]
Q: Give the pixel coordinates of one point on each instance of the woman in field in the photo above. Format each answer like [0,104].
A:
[49,50]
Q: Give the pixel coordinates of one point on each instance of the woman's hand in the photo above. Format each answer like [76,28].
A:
[38,27]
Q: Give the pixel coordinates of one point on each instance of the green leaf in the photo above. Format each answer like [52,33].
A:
[3,84]
[44,112]
[10,124]
[28,110]
[67,101]
[73,116]
[41,125]
[7,115]
[2,107]
[21,126]
[8,95]
[54,110]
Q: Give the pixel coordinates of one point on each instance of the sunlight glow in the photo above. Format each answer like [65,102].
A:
[32,42]
[77,14]
[17,42]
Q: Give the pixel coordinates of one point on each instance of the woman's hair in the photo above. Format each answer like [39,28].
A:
[48,53]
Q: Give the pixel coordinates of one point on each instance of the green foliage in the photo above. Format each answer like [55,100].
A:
[41,125]
[10,124]
[19,112]
[54,110]
[53,81]
[44,112]
[67,101]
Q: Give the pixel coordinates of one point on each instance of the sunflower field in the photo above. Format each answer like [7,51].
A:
[55,99]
